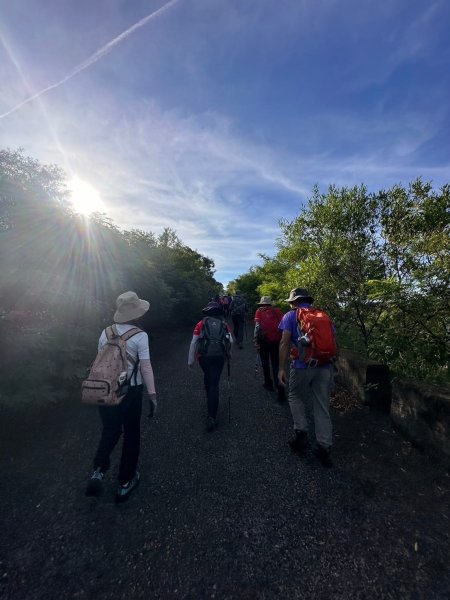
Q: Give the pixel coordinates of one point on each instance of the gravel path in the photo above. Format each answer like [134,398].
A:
[231,514]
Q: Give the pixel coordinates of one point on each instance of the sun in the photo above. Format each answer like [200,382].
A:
[84,197]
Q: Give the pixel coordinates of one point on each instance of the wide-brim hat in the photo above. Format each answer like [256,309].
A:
[130,307]
[300,294]
[212,306]
[265,301]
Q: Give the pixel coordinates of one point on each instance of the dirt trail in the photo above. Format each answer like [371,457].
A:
[228,515]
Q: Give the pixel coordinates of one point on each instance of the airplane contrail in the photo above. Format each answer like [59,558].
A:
[106,49]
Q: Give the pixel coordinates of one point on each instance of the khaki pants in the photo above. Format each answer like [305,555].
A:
[312,385]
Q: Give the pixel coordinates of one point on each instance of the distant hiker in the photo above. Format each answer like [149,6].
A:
[238,310]
[267,338]
[308,336]
[124,417]
[211,344]
[225,305]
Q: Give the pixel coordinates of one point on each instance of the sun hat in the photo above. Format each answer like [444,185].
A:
[130,307]
[265,301]
[211,307]
[300,294]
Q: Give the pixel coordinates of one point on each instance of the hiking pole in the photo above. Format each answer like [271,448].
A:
[229,390]
[257,363]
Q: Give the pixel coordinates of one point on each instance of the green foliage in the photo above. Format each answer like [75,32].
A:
[61,274]
[380,264]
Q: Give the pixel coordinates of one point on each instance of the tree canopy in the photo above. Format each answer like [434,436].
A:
[380,264]
[61,273]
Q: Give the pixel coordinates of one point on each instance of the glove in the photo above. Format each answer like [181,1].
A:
[152,405]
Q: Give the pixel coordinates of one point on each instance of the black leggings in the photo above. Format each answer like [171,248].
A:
[124,418]
[212,367]
[268,352]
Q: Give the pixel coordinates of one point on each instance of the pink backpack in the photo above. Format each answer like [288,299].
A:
[107,383]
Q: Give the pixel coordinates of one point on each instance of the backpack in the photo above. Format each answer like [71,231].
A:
[238,306]
[316,344]
[269,319]
[214,339]
[107,382]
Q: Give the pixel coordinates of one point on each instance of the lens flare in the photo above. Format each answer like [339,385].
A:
[84,197]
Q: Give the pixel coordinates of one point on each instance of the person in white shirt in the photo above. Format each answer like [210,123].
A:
[125,417]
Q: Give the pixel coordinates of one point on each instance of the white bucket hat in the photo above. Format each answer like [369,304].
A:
[130,307]
[265,301]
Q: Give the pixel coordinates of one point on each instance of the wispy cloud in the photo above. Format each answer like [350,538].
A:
[226,131]
[103,51]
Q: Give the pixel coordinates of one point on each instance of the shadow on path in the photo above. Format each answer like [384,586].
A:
[230,514]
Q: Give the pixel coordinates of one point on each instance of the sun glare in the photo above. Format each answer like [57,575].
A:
[84,197]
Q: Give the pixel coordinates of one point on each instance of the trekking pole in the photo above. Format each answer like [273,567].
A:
[229,390]
[257,362]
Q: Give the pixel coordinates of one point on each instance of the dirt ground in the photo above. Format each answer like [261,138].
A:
[231,514]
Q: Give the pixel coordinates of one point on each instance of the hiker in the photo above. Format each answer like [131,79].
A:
[125,417]
[311,376]
[267,338]
[238,310]
[225,305]
[211,344]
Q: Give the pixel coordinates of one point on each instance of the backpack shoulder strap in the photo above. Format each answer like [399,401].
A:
[125,337]
[111,332]
[129,334]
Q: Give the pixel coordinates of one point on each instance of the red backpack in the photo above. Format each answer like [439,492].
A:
[317,343]
[269,319]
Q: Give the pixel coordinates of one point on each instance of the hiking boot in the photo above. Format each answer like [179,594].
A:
[210,423]
[95,484]
[298,444]
[124,491]
[268,385]
[324,456]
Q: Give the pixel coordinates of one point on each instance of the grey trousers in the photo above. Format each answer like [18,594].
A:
[312,385]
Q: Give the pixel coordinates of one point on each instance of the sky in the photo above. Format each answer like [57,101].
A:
[217,117]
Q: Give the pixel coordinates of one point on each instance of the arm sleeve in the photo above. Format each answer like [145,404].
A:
[147,375]
[257,324]
[193,347]
[192,350]
[102,340]
[230,337]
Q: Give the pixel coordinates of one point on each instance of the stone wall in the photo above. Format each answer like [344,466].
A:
[368,380]
[421,412]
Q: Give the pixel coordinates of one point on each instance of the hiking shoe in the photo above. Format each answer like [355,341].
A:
[324,456]
[124,491]
[95,484]
[298,444]
[268,385]
[210,423]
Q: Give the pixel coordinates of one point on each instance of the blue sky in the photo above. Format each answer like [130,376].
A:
[217,117]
